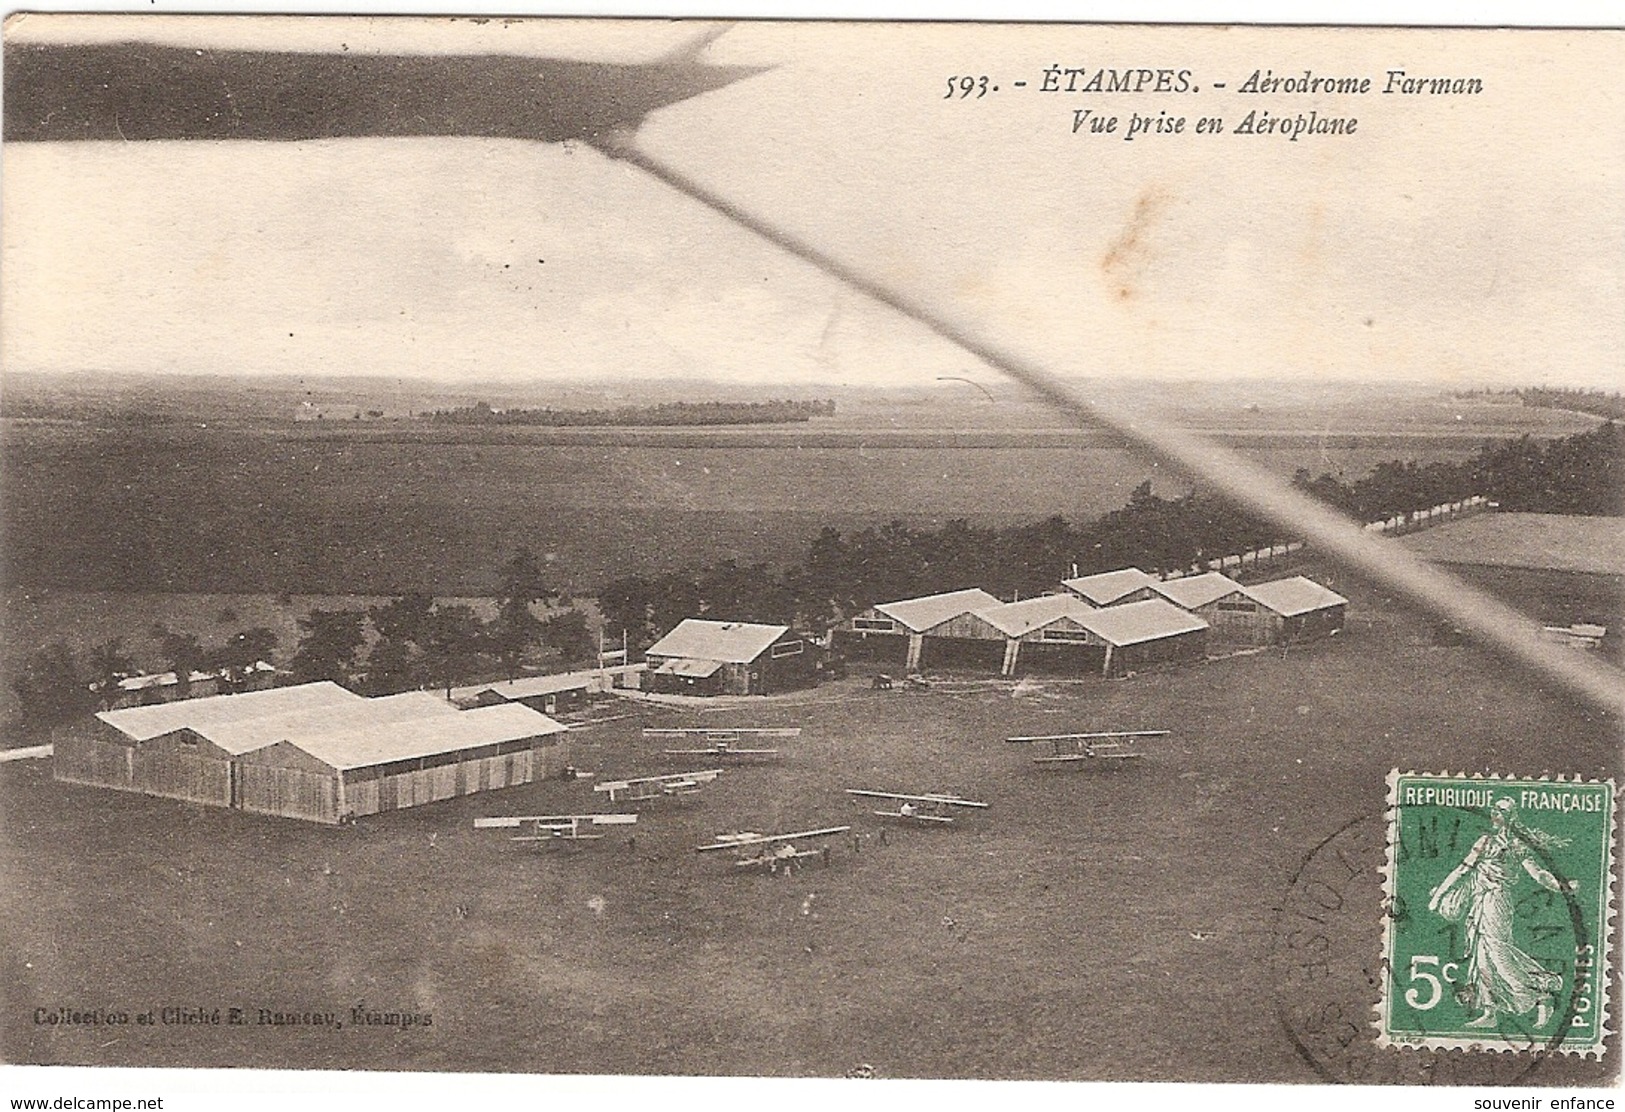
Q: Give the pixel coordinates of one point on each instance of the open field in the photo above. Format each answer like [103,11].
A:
[1096,925]
[395,506]
[1587,545]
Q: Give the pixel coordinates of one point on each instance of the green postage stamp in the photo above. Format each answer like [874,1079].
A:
[1496,922]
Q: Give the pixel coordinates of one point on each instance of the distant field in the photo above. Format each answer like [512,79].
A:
[384,508]
[1556,542]
[1098,925]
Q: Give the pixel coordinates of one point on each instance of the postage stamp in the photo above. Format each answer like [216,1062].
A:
[1496,917]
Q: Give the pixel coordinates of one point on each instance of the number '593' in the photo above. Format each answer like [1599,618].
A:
[965,87]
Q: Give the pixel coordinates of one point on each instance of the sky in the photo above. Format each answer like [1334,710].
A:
[1467,241]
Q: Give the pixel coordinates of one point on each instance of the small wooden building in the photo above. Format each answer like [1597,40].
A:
[555,694]
[1218,600]
[1296,609]
[1141,634]
[895,632]
[165,687]
[701,657]
[1113,588]
[272,751]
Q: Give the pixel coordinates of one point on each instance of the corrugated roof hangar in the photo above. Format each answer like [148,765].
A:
[314,751]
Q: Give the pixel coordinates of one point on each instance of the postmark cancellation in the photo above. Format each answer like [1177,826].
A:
[1496,914]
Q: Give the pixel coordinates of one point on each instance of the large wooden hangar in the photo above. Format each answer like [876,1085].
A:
[314,751]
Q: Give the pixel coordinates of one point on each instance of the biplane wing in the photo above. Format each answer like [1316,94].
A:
[746,840]
[653,787]
[554,820]
[131,91]
[545,828]
[723,742]
[1118,745]
[711,733]
[918,808]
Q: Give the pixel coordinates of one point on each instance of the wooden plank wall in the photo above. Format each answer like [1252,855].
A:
[183,776]
[289,792]
[84,760]
[410,789]
[172,775]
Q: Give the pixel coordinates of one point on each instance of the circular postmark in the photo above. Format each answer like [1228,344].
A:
[1328,969]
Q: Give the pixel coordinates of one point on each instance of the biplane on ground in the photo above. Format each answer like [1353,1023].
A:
[1075,749]
[723,742]
[656,787]
[554,828]
[927,809]
[774,852]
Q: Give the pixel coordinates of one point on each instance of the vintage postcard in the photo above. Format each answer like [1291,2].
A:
[809,549]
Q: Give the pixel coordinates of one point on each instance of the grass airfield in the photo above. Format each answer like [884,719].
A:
[1108,923]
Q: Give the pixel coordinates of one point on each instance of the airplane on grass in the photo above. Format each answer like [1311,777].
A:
[723,742]
[657,787]
[773,851]
[1121,745]
[551,828]
[918,808]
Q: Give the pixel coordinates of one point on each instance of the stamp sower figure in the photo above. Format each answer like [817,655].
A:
[1478,892]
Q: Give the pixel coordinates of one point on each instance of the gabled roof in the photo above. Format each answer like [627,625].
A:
[1016,619]
[1109,586]
[338,728]
[1137,622]
[921,614]
[144,723]
[1294,596]
[730,642]
[1192,591]
[297,726]
[381,742]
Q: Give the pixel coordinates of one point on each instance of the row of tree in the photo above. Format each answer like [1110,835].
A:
[1581,474]
[665,414]
[405,643]
[55,685]
[842,574]
[845,573]
[416,641]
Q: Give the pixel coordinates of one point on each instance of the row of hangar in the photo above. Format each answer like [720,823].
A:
[319,752]
[1107,624]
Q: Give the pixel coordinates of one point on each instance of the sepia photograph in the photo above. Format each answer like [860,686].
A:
[805,549]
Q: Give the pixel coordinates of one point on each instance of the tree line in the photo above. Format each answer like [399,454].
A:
[55,685]
[406,643]
[844,573]
[415,641]
[1582,474]
[778,412]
